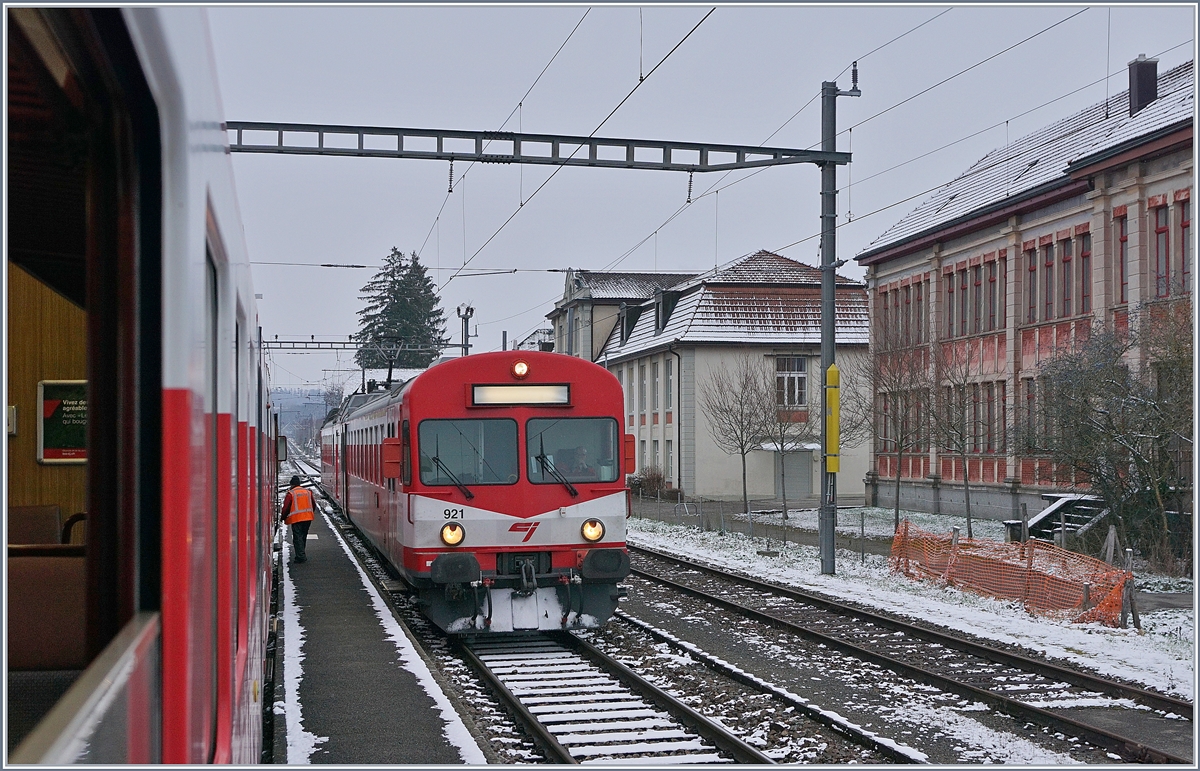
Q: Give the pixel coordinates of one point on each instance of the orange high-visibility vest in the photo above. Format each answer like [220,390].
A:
[302,506]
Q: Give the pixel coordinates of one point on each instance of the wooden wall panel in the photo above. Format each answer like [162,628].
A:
[47,340]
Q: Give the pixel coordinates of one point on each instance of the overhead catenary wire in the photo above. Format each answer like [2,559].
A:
[714,189]
[557,169]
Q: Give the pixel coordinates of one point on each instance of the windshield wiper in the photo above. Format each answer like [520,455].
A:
[445,470]
[547,466]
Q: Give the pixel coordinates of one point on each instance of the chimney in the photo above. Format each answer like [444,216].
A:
[1143,83]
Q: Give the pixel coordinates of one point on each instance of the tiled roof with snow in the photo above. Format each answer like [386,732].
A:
[1043,157]
[628,286]
[748,303]
[762,267]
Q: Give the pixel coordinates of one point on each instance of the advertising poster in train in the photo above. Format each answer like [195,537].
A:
[62,430]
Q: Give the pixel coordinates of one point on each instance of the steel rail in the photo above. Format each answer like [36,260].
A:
[1150,699]
[720,736]
[886,748]
[541,734]
[1128,748]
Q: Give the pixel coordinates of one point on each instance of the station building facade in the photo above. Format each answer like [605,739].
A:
[664,347]
[1085,221]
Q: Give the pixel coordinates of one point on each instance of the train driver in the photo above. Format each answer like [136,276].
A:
[579,468]
[298,508]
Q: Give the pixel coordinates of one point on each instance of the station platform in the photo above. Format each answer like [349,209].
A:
[351,688]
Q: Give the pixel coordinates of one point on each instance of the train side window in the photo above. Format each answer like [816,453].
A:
[405,455]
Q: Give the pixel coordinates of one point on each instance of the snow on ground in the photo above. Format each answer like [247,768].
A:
[301,744]
[455,730]
[1161,658]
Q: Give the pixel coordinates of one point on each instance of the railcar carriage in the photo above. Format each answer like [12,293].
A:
[494,484]
[138,401]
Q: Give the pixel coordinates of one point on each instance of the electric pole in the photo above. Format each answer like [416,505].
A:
[827,518]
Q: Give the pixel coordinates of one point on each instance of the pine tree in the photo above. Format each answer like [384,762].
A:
[402,307]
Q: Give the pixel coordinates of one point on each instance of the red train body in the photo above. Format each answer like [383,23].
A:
[494,484]
[124,221]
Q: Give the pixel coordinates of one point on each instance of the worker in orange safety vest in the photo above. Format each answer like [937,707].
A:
[298,509]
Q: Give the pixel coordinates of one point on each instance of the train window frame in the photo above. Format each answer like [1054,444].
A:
[405,454]
[513,478]
[543,478]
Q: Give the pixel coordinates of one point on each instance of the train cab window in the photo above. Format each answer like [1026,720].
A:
[578,449]
[468,452]
[405,456]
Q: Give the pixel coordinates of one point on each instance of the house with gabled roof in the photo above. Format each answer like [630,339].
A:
[587,312]
[1083,221]
[666,347]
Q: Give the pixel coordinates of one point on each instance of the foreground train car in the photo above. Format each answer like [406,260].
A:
[138,398]
[494,484]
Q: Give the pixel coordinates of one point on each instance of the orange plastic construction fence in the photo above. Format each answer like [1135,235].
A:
[1049,580]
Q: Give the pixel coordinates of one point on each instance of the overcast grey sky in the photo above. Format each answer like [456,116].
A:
[737,79]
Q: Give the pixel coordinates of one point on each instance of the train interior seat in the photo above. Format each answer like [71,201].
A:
[35,524]
[47,642]
[74,530]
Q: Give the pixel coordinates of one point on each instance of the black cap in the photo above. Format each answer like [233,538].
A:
[295,482]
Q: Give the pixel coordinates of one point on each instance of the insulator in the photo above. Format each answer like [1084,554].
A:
[689,200]
[854,75]
[451,188]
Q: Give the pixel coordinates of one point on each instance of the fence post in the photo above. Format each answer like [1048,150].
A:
[1110,544]
[1062,528]
[1087,596]
[1024,522]
[862,536]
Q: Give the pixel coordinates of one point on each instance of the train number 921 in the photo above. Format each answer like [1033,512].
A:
[454,514]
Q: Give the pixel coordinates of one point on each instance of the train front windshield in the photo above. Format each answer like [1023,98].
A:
[579,449]
[468,452]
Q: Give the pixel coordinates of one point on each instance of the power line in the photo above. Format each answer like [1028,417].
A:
[505,123]
[593,133]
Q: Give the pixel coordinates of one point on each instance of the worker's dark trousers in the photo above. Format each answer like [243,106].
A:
[300,538]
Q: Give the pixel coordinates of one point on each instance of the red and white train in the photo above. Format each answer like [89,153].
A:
[494,484]
[128,276]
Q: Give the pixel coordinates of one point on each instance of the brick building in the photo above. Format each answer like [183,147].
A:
[1080,222]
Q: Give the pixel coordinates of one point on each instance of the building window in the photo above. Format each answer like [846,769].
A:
[919,302]
[656,456]
[1162,254]
[654,386]
[1185,246]
[1030,423]
[908,315]
[1031,291]
[1002,423]
[791,381]
[977,301]
[641,454]
[976,422]
[1085,273]
[1048,278]
[1123,258]
[669,469]
[641,388]
[669,392]
[990,418]
[991,301]
[962,303]
[1067,277]
[1002,313]
[949,304]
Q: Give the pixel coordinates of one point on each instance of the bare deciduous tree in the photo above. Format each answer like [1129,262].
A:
[885,397]
[732,403]
[1117,411]
[954,420]
[786,426]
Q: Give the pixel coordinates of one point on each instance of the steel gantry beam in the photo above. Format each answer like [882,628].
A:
[347,345]
[510,147]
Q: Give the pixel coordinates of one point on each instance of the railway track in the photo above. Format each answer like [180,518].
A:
[584,706]
[1006,682]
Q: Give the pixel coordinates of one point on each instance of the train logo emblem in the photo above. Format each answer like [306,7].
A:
[524,527]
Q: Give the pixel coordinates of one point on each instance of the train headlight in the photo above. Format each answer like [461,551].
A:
[520,369]
[453,534]
[592,530]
